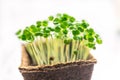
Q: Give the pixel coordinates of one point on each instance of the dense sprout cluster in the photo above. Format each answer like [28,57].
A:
[60,38]
[62,26]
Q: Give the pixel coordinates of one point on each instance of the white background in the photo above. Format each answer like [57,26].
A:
[101,14]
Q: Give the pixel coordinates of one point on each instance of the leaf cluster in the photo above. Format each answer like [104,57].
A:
[61,26]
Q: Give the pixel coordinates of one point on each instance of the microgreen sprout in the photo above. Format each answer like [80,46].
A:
[60,38]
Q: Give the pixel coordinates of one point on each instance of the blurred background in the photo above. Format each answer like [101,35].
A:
[103,16]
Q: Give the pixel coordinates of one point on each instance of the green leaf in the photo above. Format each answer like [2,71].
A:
[90,31]
[45,23]
[96,36]
[46,35]
[64,25]
[26,32]
[50,28]
[63,19]
[85,37]
[65,31]
[83,21]
[23,37]
[46,30]
[91,39]
[38,34]
[75,52]
[75,32]
[33,29]
[18,32]
[84,24]
[91,45]
[65,15]
[39,23]
[32,26]
[72,19]
[30,38]
[99,41]
[77,24]
[57,29]
[50,18]
[59,15]
[67,41]
[56,21]
[76,37]
[80,29]
[71,27]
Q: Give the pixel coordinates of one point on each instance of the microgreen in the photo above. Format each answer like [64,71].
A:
[99,41]
[67,41]
[18,32]
[60,38]
[45,23]
[50,18]
[57,29]
[65,31]
[72,19]
[75,32]
[56,21]
[39,23]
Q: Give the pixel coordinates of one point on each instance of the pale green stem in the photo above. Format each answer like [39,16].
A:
[59,50]
[67,52]
[30,51]
[73,48]
[38,53]
[36,57]
[48,50]
[86,53]
[78,49]
[44,45]
[56,50]
[51,48]
[40,46]
[62,51]
[70,51]
[81,50]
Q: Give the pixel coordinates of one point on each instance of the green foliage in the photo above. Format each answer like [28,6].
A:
[99,41]
[57,29]
[45,23]
[50,18]
[72,19]
[75,32]
[56,21]
[61,38]
[67,41]
[18,32]
[39,23]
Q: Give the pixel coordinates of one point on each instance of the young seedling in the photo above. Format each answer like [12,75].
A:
[59,39]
